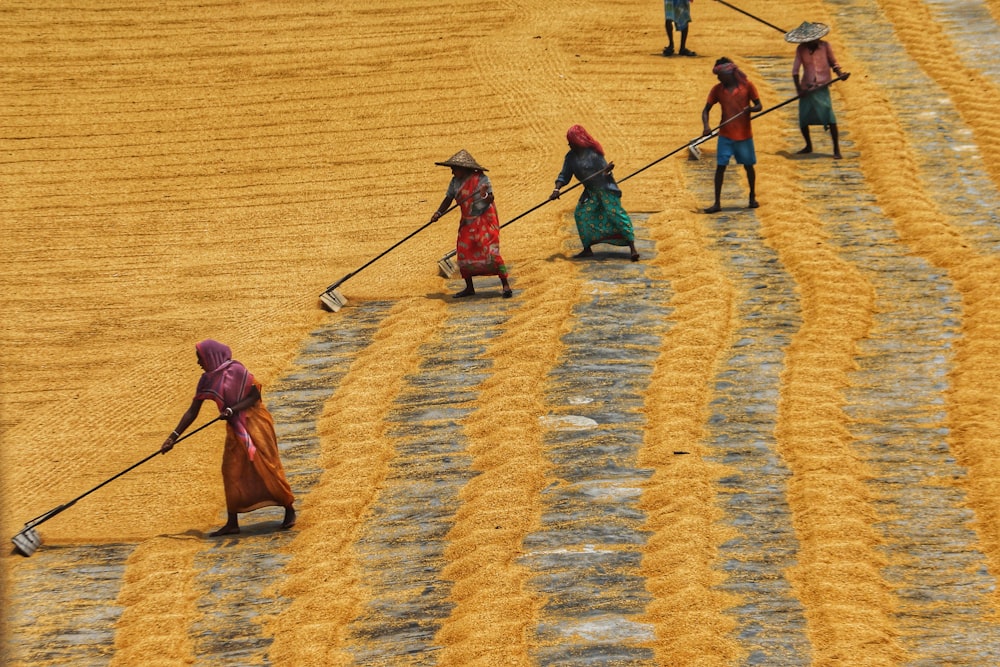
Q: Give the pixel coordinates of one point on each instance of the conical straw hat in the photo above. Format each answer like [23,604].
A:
[807,32]
[462,159]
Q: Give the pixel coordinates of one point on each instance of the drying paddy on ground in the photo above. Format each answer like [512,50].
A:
[773,441]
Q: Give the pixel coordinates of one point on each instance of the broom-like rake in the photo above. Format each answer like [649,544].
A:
[448,267]
[28,540]
[332,298]
[694,152]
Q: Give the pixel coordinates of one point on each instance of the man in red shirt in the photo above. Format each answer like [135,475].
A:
[738,99]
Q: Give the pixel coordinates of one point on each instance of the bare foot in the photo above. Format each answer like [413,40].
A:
[837,156]
[634,257]
[753,204]
[289,519]
[508,293]
[714,208]
[805,151]
[228,529]
[586,252]
[466,292]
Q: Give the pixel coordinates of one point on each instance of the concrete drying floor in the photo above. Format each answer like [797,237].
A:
[773,441]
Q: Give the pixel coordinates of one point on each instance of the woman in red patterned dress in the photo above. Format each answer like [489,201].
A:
[478,246]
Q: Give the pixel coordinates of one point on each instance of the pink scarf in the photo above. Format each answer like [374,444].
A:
[226,382]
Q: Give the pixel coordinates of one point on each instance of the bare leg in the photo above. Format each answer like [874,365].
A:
[685,51]
[752,185]
[232,527]
[635,253]
[720,173]
[809,142]
[468,291]
[289,520]
[835,135]
[669,50]
[507,291]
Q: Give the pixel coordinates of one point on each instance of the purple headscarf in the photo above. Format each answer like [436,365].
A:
[226,382]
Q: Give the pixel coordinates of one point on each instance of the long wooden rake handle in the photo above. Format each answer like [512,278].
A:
[693,142]
[755,18]
[394,246]
[534,208]
[42,518]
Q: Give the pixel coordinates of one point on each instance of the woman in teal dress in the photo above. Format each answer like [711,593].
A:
[599,215]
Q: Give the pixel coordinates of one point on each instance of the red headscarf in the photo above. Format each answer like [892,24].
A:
[730,68]
[226,382]
[580,138]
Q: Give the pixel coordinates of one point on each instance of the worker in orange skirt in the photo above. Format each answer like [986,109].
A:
[252,474]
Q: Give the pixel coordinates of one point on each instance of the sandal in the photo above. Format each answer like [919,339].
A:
[668,51]
[687,52]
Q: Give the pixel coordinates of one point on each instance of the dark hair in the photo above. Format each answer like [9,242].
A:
[722,61]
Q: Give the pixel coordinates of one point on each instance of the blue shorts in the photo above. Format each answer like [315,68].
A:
[678,11]
[742,150]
